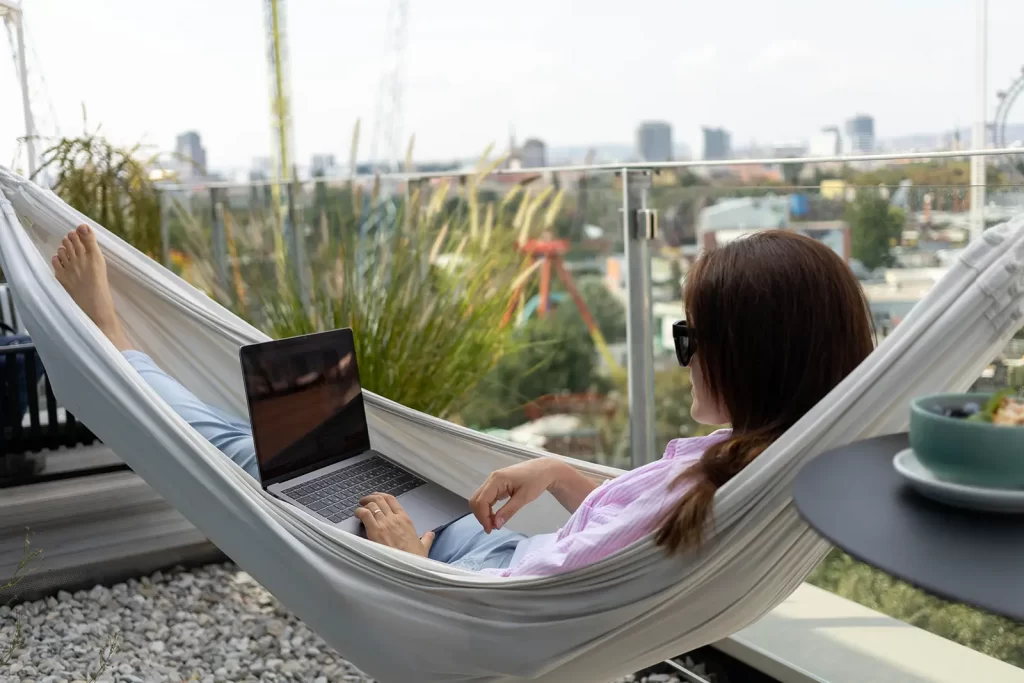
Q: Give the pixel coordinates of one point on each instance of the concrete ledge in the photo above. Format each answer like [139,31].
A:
[818,637]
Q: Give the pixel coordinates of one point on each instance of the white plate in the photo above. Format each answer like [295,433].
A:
[960,495]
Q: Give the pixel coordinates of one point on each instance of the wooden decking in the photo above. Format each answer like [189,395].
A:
[91,529]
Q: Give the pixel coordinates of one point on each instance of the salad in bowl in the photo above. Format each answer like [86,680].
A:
[1003,409]
[975,439]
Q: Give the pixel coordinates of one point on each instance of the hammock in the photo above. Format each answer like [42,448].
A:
[404,618]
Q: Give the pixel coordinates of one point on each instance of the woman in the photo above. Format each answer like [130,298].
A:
[774,321]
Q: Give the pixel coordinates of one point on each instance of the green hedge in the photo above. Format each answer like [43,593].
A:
[992,635]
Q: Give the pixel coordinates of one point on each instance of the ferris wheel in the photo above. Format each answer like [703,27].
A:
[1007,98]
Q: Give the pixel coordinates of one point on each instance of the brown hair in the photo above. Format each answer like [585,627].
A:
[778,320]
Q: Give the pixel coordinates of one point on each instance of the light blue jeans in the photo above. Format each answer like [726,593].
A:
[462,544]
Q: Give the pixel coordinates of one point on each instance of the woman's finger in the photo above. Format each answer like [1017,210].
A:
[505,512]
[368,519]
[482,501]
[377,511]
[376,499]
[393,503]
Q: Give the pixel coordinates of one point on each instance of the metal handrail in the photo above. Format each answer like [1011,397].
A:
[618,167]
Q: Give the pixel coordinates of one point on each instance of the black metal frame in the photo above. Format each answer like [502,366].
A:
[24,450]
[9,295]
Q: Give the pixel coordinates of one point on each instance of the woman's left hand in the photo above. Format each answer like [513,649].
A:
[388,524]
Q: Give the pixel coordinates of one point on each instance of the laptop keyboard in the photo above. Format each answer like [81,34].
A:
[336,495]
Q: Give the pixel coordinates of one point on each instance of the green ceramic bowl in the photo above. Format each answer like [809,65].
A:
[965,452]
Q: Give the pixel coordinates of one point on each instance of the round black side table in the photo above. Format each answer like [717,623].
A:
[854,498]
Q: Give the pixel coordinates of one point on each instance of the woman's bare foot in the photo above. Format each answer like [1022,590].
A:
[79,266]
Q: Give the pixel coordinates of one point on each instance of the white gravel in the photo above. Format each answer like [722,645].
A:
[213,625]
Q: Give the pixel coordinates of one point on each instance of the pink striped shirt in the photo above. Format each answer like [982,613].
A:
[615,514]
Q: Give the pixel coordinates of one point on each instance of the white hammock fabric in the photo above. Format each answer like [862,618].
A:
[402,618]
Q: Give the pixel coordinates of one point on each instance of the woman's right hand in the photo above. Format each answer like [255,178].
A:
[519,484]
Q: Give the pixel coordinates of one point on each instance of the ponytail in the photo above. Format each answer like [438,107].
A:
[684,526]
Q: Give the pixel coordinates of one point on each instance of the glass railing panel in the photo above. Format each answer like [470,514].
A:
[560,385]
[899,238]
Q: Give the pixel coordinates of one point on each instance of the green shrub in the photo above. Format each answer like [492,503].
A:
[423,278]
[109,184]
[992,635]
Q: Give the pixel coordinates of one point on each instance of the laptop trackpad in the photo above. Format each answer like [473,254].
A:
[426,516]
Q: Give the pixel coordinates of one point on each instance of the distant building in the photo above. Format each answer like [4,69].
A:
[191,154]
[262,168]
[833,234]
[323,165]
[860,135]
[833,189]
[788,150]
[730,219]
[533,154]
[654,141]
[714,144]
[827,142]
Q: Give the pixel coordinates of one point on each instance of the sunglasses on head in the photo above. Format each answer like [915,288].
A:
[686,345]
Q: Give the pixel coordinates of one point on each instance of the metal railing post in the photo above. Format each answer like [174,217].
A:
[639,227]
[165,228]
[296,241]
[219,242]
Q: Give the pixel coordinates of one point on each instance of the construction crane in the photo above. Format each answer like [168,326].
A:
[14,23]
[37,106]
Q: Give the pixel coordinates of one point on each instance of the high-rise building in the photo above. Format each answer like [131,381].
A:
[826,143]
[791,149]
[533,154]
[860,135]
[191,154]
[323,165]
[654,141]
[714,144]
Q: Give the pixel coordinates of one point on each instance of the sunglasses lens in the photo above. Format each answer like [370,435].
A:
[682,341]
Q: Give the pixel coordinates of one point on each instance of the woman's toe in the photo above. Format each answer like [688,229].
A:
[77,247]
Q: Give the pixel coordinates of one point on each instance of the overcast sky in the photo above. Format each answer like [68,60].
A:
[567,71]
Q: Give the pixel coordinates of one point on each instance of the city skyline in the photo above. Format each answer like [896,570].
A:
[474,70]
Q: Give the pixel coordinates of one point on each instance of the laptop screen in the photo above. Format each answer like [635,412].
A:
[305,403]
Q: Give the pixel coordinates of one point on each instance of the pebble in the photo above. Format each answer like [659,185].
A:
[210,624]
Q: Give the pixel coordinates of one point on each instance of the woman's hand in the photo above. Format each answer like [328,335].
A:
[519,484]
[388,524]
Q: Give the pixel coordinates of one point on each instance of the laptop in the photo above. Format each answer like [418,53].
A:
[312,443]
